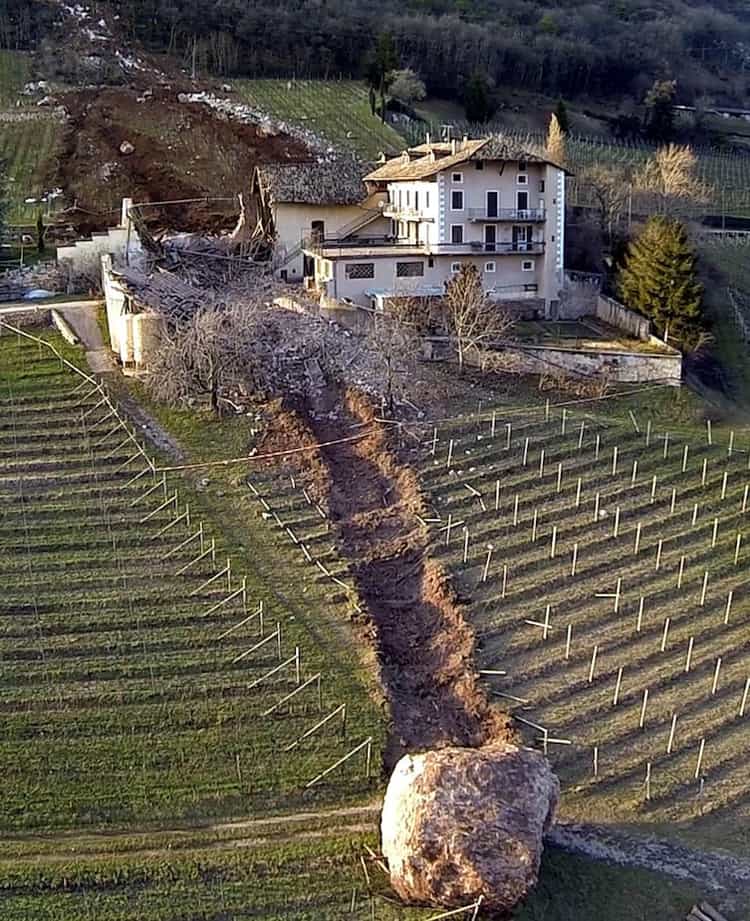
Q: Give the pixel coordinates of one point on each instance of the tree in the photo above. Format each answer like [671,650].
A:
[671,177]
[406,85]
[383,62]
[393,347]
[561,112]
[3,195]
[473,319]
[610,189]
[40,231]
[556,141]
[218,348]
[660,109]
[659,280]
[477,99]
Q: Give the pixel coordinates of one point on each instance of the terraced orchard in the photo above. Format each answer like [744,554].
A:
[606,565]
[143,677]
[336,110]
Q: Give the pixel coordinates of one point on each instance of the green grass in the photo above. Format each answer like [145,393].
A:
[28,148]
[556,693]
[14,73]
[138,707]
[332,109]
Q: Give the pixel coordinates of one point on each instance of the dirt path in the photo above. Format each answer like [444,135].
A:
[154,841]
[719,872]
[425,647]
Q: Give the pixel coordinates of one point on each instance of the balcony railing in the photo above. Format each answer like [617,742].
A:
[478,246]
[507,214]
[399,213]
[337,246]
[513,292]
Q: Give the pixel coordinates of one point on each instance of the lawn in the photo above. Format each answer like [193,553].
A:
[14,73]
[336,110]
[28,149]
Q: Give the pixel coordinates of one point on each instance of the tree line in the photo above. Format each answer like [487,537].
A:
[569,49]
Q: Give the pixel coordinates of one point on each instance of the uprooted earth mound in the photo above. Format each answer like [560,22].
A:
[458,823]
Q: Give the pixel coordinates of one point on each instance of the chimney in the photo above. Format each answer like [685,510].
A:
[453,146]
[427,137]
[465,141]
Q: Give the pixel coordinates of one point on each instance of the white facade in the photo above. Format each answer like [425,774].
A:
[505,217]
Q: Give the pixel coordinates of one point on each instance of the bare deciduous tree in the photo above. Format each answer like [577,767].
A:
[670,176]
[610,189]
[473,319]
[393,348]
[217,349]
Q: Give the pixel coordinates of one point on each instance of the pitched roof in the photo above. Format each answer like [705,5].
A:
[431,158]
[336,183]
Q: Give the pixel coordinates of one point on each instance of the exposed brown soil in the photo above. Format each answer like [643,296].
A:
[182,150]
[425,647]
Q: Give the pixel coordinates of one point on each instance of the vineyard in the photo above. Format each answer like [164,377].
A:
[14,72]
[726,174]
[606,564]
[156,681]
[336,110]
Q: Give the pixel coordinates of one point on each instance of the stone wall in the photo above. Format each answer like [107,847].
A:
[617,365]
[619,316]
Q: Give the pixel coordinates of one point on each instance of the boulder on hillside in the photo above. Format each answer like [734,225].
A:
[458,823]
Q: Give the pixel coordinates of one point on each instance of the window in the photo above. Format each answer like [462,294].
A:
[527,265]
[479,164]
[522,167]
[427,199]
[408,198]
[457,233]
[360,270]
[409,269]
[489,267]
[457,200]
[431,262]
[455,268]
[522,179]
[541,185]
[416,200]
[457,177]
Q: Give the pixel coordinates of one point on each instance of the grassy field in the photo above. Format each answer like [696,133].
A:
[645,536]
[28,148]
[14,73]
[134,675]
[336,110]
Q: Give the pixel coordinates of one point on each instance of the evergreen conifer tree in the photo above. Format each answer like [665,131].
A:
[561,113]
[659,280]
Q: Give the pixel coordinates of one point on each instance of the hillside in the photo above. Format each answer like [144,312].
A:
[598,49]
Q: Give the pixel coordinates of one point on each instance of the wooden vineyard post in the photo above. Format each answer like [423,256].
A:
[639,618]
[648,432]
[525,451]
[505,580]
[715,533]
[490,548]
[648,781]
[637,542]
[614,461]
[553,545]
[466,544]
[673,501]
[684,458]
[737,548]
[596,508]
[578,493]
[497,495]
[541,464]
[666,445]
[659,548]
[634,474]
[672,728]
[596,761]
[575,559]
[715,683]
[515,511]
[508,435]
[744,497]
[699,762]
[653,489]
[616,528]
[434,441]
[592,666]
[580,435]
[597,447]
[563,420]
[448,530]
[492,424]
[665,633]
[450,454]
[728,609]
[689,656]
[730,446]
[704,472]
[724,481]
[534,523]
[743,702]
[703,588]
[709,436]
[559,476]
[680,572]
[618,684]
[569,636]
[644,705]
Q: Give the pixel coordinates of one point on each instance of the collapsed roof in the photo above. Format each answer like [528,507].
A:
[328,183]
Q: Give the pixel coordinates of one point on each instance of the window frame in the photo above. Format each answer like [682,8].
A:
[457,178]
[455,267]
[488,269]
[522,179]
[350,265]
[461,193]
[417,262]
[528,265]
[457,242]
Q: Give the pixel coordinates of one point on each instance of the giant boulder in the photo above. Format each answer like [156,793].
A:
[458,823]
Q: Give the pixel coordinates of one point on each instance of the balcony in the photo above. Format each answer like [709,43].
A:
[477,215]
[478,246]
[332,247]
[403,213]
[514,292]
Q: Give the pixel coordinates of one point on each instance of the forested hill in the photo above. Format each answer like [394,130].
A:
[602,48]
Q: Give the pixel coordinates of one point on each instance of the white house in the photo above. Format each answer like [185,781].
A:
[299,202]
[487,202]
